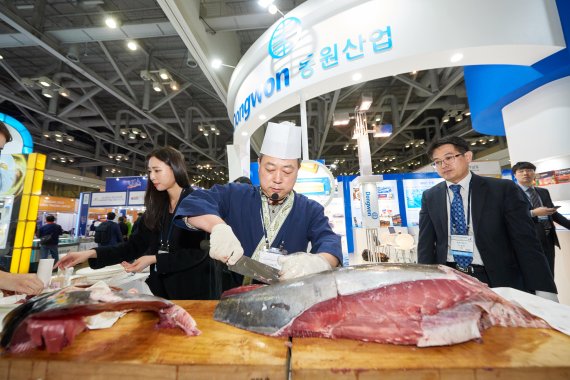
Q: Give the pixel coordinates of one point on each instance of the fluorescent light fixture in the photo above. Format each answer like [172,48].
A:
[456,57]
[164,74]
[365,102]
[356,76]
[132,45]
[111,22]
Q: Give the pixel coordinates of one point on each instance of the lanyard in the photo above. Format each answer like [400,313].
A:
[468,206]
[170,227]
[267,243]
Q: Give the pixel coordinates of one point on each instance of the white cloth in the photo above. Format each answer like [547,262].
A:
[224,245]
[282,141]
[302,264]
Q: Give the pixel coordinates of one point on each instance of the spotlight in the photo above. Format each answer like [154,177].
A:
[63,92]
[156,86]
[132,45]
[47,93]
[111,22]
[174,86]
[44,81]
[163,74]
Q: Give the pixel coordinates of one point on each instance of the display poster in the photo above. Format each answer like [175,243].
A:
[413,191]
[334,211]
[136,198]
[315,181]
[57,204]
[388,206]
[13,169]
[108,199]
[126,183]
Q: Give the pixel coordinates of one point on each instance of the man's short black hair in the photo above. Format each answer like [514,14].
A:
[50,218]
[243,179]
[111,215]
[121,218]
[460,144]
[522,165]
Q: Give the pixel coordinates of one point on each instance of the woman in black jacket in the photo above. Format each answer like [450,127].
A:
[179,269]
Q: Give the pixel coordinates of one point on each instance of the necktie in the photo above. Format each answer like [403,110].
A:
[533,197]
[457,212]
[458,224]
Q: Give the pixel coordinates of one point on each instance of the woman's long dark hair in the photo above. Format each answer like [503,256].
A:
[157,202]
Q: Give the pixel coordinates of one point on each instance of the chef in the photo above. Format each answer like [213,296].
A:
[270,222]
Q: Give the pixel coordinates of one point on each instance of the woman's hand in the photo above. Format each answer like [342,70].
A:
[139,264]
[74,258]
[26,283]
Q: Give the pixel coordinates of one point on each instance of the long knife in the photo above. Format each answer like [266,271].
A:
[256,270]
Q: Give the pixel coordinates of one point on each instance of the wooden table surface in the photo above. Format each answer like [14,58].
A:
[505,353]
[134,349]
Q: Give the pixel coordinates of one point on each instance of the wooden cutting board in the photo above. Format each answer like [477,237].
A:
[504,353]
[134,349]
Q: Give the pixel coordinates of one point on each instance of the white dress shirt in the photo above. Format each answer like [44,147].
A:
[464,183]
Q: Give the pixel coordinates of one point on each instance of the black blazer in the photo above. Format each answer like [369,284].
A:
[504,234]
[186,273]
[556,217]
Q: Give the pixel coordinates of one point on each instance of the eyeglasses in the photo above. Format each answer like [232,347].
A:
[448,160]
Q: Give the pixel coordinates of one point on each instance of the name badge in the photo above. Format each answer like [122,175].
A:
[462,245]
[270,256]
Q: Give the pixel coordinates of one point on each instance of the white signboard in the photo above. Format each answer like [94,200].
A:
[118,198]
[413,191]
[136,198]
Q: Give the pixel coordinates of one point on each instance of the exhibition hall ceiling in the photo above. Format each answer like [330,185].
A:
[85,95]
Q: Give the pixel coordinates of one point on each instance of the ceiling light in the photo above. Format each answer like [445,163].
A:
[467,112]
[59,139]
[132,45]
[456,57]
[265,3]
[132,136]
[272,9]
[124,131]
[200,128]
[445,119]
[206,133]
[63,92]
[44,81]
[69,138]
[458,118]
[174,86]
[156,86]
[145,75]
[136,131]
[111,22]
[47,93]
[216,63]
[163,74]
[491,139]
[262,117]
[473,142]
[356,77]
[212,127]
[143,135]
[1,57]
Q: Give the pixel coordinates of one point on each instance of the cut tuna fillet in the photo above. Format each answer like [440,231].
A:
[407,304]
[52,320]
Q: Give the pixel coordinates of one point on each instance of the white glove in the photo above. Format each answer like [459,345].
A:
[302,264]
[547,295]
[224,245]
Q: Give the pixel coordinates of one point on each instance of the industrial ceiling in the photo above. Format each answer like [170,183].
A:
[109,106]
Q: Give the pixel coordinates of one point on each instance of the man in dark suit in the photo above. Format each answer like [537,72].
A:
[541,209]
[497,234]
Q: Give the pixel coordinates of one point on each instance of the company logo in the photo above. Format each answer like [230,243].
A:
[134,183]
[284,37]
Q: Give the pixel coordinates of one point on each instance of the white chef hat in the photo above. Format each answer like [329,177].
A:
[282,141]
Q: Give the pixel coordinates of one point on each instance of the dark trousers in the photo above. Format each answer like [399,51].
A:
[47,250]
[546,238]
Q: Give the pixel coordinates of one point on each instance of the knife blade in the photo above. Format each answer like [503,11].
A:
[246,266]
